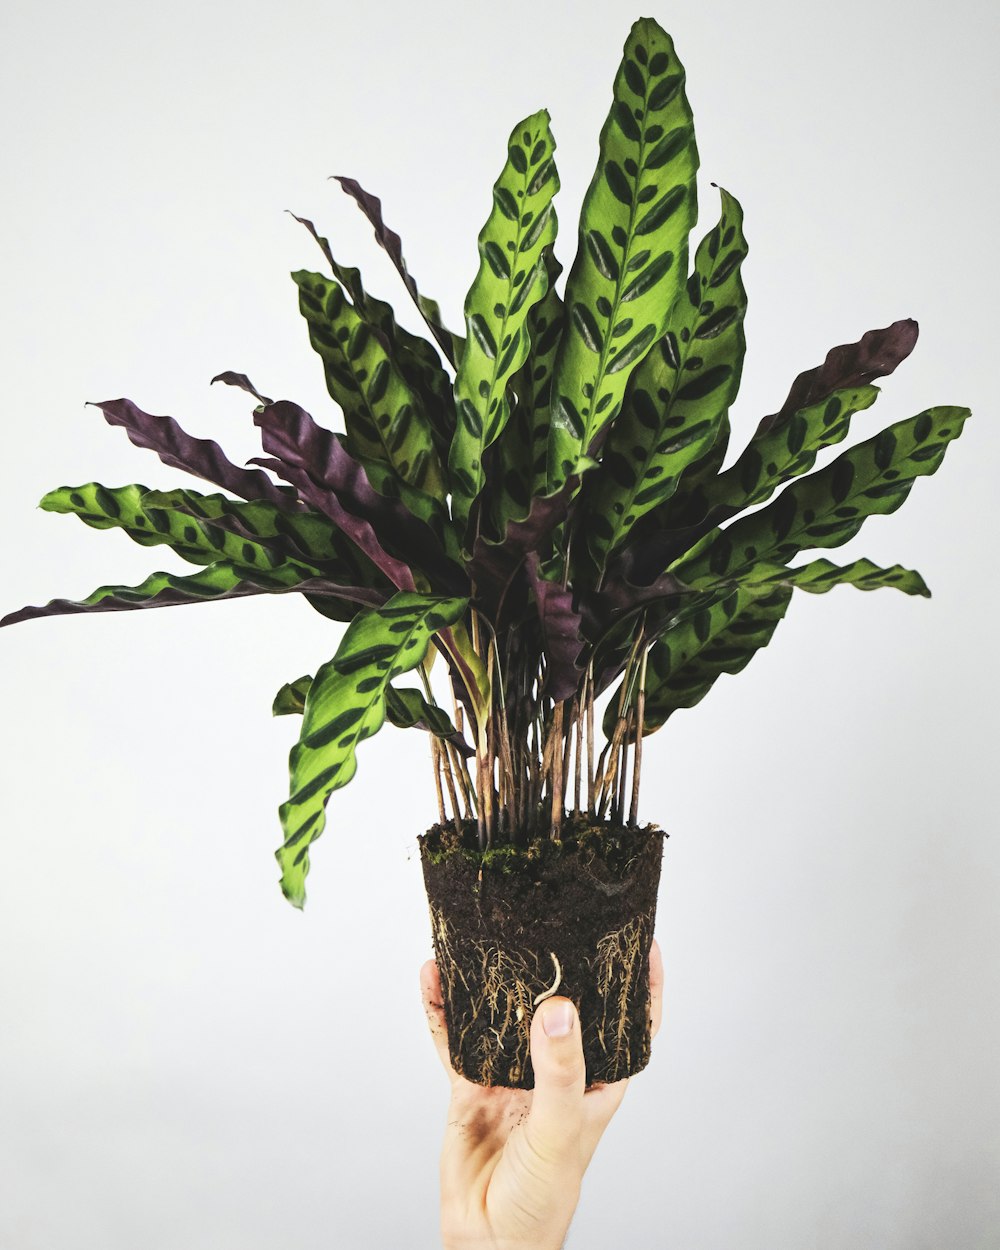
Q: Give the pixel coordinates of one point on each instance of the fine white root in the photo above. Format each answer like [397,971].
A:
[555,984]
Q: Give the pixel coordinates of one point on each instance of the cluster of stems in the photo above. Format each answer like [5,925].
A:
[536,765]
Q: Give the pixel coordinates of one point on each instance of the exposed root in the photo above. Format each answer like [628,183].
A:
[497,1009]
[618,967]
[555,984]
[489,1006]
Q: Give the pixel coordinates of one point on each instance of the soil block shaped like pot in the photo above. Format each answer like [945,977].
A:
[573,917]
[526,545]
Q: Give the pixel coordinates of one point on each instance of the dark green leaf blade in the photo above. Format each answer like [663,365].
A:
[385,418]
[512,278]
[415,358]
[682,668]
[291,698]
[679,396]
[828,507]
[783,451]
[347,704]
[632,259]
[131,509]
[819,576]
[521,447]
[407,708]
[305,536]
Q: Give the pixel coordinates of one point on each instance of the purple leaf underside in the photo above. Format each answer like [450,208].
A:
[201,457]
[875,355]
[171,597]
[494,565]
[371,206]
[327,476]
[561,632]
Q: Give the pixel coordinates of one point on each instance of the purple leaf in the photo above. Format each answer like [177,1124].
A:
[242,381]
[174,594]
[371,206]
[494,565]
[875,355]
[199,456]
[560,632]
[327,476]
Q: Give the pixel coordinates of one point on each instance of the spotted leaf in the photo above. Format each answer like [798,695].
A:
[306,536]
[345,705]
[679,395]
[451,344]
[223,580]
[406,709]
[521,448]
[819,576]
[385,417]
[828,507]
[632,260]
[513,277]
[683,665]
[415,358]
[784,451]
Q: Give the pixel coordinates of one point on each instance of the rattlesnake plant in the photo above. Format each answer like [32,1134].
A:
[541,502]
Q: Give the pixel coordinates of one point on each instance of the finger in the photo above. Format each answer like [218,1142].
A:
[430,988]
[552,1130]
[655,988]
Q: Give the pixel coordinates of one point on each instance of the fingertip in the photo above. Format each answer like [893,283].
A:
[557,1018]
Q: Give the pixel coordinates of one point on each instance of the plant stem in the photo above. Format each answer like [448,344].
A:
[591,795]
[633,815]
[436,764]
[556,784]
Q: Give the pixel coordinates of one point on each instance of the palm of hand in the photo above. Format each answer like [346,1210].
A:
[513,1160]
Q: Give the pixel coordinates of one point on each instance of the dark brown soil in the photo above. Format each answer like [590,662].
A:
[508,924]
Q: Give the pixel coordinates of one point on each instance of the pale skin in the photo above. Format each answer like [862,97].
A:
[513,1160]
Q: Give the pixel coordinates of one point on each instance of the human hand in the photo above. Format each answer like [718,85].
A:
[513,1160]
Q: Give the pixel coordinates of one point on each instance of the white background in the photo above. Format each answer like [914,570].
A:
[188,1064]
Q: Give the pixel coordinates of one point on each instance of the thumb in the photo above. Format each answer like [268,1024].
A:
[554,1124]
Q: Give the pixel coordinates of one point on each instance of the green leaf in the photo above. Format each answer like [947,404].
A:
[408,709]
[223,580]
[521,448]
[828,507]
[347,704]
[385,417]
[785,451]
[415,358]
[678,396]
[306,536]
[684,665]
[633,256]
[291,698]
[819,576]
[513,277]
[196,538]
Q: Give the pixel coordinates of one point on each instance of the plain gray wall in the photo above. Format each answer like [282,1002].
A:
[188,1064]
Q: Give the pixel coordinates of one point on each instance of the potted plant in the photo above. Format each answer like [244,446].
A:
[542,505]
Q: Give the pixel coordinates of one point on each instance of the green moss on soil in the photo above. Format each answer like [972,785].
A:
[614,845]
